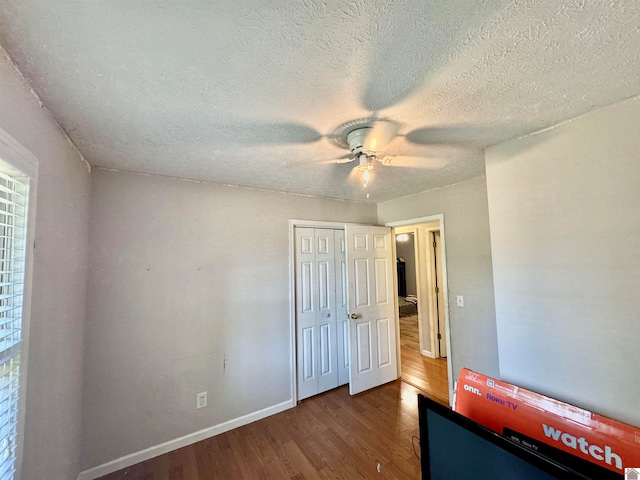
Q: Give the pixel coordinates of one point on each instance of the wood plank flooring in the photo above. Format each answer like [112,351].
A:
[329,436]
[409,333]
[428,374]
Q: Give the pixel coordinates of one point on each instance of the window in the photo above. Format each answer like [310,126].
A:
[14,194]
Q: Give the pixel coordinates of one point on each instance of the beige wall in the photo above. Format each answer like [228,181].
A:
[464,205]
[565,229]
[53,395]
[184,278]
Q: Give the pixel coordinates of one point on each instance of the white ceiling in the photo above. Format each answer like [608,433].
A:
[249,92]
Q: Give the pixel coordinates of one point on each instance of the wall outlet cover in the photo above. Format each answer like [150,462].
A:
[201,400]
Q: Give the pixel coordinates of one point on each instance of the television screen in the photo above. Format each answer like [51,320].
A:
[455,447]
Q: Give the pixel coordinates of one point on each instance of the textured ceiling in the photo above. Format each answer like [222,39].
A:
[250,92]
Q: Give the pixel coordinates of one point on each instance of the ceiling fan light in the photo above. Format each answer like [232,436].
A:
[364,163]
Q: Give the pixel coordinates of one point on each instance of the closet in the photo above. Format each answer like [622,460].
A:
[322,326]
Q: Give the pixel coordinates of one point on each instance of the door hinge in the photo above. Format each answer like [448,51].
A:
[434,244]
[439,337]
[437,290]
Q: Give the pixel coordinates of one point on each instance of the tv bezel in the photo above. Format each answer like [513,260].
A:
[552,467]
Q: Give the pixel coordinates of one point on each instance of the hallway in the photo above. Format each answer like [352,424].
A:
[427,374]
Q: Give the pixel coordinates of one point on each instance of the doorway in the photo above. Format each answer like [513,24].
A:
[422,306]
[407,291]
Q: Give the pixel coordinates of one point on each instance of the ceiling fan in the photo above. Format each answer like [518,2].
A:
[367,142]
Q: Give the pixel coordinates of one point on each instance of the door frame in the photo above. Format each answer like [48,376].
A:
[297,223]
[443,250]
[424,281]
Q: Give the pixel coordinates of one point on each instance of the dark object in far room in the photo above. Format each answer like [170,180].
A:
[407,306]
[402,278]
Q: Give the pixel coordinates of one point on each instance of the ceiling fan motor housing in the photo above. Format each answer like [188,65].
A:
[356,139]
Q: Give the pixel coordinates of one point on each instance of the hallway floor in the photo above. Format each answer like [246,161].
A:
[428,374]
[409,332]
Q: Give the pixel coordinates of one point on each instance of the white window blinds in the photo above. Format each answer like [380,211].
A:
[14,189]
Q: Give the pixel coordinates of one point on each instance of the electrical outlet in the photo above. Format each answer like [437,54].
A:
[460,300]
[201,400]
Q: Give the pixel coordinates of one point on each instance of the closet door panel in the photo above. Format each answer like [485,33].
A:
[316,321]
[341,308]
[327,358]
[306,309]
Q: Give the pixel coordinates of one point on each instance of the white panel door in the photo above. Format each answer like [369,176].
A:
[326,312]
[342,308]
[316,325]
[306,312]
[372,304]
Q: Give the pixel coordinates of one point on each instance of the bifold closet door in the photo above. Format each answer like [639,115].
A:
[317,354]
[342,307]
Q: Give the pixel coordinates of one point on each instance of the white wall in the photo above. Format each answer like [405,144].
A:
[53,396]
[565,227]
[182,276]
[464,205]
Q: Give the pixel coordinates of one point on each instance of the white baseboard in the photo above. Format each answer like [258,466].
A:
[427,353]
[149,453]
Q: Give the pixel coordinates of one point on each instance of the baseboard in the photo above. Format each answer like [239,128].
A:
[149,453]
[427,353]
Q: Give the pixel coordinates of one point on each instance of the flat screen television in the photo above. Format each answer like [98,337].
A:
[454,447]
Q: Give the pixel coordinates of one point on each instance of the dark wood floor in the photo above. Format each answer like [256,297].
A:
[329,436]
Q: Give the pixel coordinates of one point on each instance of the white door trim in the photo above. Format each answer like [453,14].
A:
[423,281]
[445,285]
[430,274]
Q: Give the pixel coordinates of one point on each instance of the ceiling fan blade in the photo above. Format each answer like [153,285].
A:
[346,158]
[414,161]
[457,137]
[249,134]
[379,135]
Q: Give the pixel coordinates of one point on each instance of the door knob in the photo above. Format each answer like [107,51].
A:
[327,314]
[354,316]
